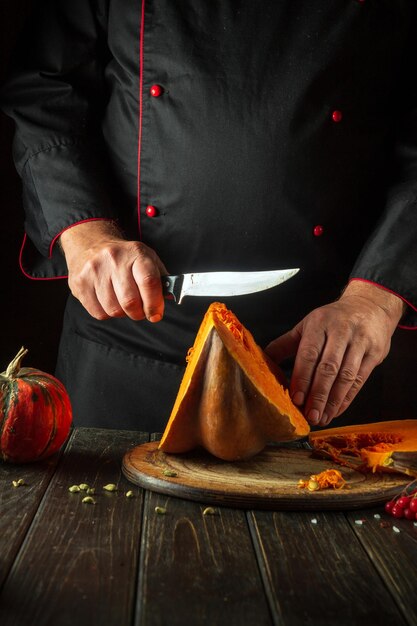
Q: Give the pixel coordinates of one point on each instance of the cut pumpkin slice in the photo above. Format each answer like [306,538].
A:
[230,402]
[374,444]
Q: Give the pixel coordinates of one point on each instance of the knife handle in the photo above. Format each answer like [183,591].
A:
[171,286]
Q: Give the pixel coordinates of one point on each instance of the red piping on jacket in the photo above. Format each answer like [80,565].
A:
[370,282]
[24,272]
[90,219]
[141,38]
[141,43]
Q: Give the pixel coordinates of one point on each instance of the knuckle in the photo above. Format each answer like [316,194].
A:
[343,328]
[129,303]
[328,368]
[99,315]
[356,386]
[357,383]
[347,376]
[310,353]
[139,249]
[333,403]
[303,382]
[115,312]
[109,252]
[319,397]
[90,268]
[347,399]
[150,281]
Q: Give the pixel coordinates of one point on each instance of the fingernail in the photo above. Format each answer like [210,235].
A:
[298,398]
[313,416]
[155,318]
[324,419]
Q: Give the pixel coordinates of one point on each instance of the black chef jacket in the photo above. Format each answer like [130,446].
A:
[226,135]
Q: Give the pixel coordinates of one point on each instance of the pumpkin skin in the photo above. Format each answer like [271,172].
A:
[373,443]
[35,413]
[230,401]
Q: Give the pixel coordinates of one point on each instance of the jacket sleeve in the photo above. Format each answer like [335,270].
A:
[389,257]
[55,95]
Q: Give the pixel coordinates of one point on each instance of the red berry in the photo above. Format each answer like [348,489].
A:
[389,506]
[413,505]
[397,511]
[409,514]
[404,501]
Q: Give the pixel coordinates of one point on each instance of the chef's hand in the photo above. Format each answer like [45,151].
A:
[336,347]
[110,276]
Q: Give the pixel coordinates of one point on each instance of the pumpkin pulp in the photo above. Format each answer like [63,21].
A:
[373,443]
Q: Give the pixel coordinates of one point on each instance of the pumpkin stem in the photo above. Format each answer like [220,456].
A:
[14,366]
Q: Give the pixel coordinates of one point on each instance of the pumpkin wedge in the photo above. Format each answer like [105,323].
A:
[229,402]
[374,444]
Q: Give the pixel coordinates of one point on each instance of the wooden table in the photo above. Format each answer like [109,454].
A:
[119,563]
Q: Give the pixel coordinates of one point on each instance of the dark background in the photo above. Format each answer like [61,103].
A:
[31,311]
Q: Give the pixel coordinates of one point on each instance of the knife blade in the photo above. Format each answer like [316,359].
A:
[222,284]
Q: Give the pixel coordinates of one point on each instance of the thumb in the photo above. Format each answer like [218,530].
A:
[285,346]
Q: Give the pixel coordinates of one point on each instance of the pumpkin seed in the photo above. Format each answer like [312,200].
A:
[209,511]
[130,494]
[74,489]
[160,510]
[313,485]
[169,472]
[91,491]
[110,487]
[88,500]
[83,487]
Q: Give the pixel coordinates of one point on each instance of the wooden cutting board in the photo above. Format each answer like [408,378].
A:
[267,481]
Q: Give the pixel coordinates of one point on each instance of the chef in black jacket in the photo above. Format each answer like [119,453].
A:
[156,136]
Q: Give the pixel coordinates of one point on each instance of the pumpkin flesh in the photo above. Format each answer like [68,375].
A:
[373,443]
[229,401]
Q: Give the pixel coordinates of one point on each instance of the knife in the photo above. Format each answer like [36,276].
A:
[222,284]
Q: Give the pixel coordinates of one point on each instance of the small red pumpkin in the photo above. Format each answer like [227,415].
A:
[35,413]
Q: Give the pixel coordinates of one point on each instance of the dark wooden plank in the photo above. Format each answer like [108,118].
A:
[269,480]
[394,554]
[78,564]
[319,574]
[198,569]
[18,505]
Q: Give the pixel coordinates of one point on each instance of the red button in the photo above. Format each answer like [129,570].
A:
[156,91]
[318,230]
[337,116]
[151,211]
